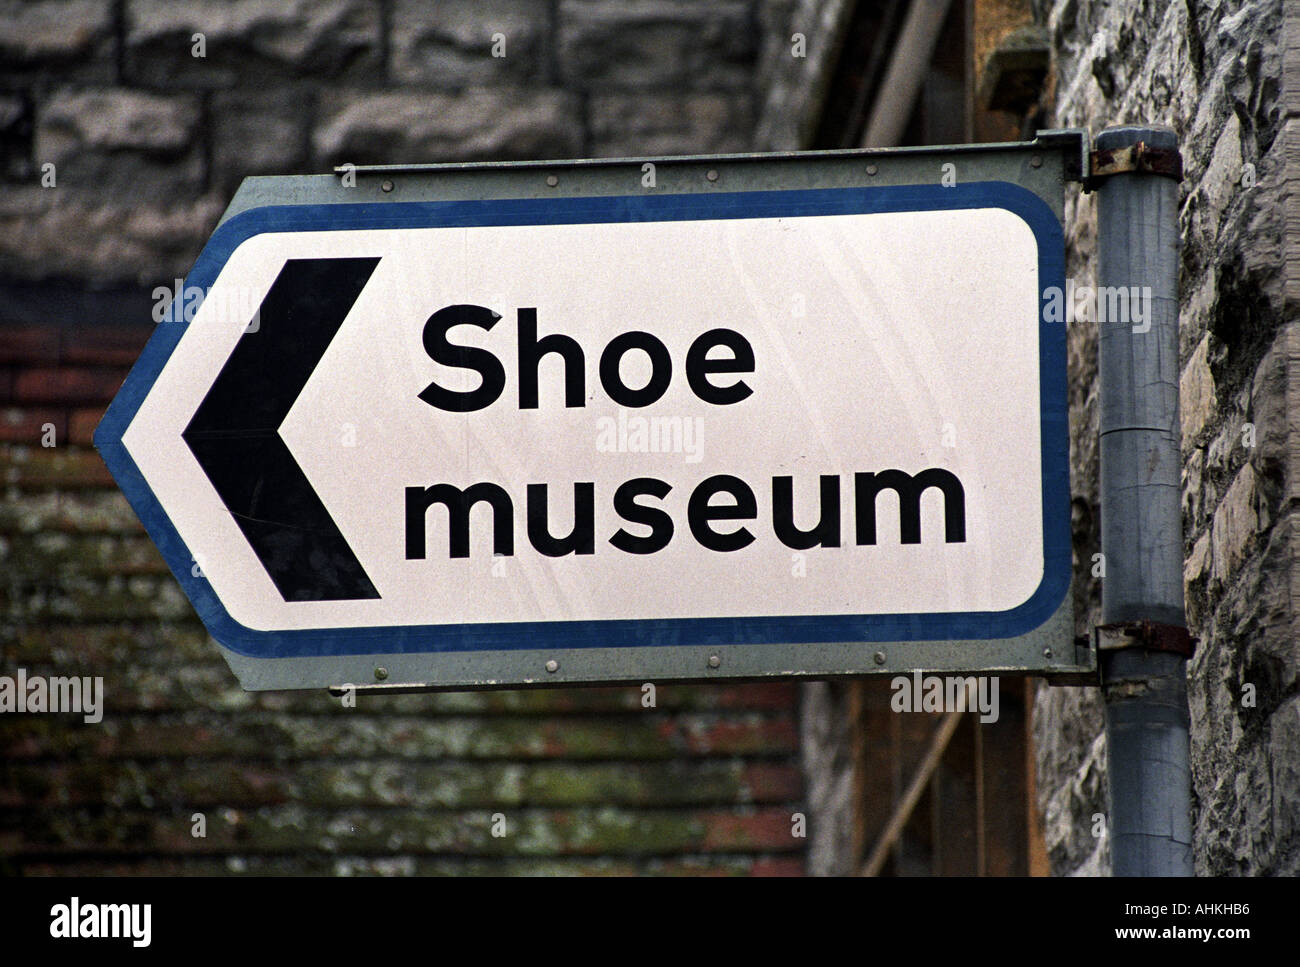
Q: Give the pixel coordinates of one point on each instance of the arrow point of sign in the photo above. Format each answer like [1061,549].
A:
[235,433]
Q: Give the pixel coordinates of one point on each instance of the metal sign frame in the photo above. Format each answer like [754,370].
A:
[1037,638]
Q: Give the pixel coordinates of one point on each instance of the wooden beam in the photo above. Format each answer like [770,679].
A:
[938,743]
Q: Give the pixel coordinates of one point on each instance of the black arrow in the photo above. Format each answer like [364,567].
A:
[235,433]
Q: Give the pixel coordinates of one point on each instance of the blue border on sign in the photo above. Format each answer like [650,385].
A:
[631,632]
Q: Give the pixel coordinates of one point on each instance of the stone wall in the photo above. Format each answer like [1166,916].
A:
[1214,72]
[152,111]
[147,142]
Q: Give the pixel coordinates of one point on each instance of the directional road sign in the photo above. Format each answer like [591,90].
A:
[487,425]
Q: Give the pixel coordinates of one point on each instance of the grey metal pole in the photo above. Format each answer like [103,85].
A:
[1143,641]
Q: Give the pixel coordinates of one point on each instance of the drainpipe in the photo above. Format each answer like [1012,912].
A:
[1143,642]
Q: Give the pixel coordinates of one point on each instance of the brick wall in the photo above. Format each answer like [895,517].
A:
[147,141]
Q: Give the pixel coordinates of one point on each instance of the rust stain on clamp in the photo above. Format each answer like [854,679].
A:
[1139,157]
[1146,634]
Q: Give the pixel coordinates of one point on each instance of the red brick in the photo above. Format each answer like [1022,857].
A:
[770,829]
[777,866]
[769,696]
[144,867]
[82,423]
[104,345]
[62,467]
[773,781]
[20,425]
[729,737]
[100,510]
[29,345]
[66,384]
[289,830]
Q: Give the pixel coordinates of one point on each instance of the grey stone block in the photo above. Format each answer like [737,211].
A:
[65,233]
[605,44]
[73,37]
[16,123]
[1284,757]
[635,125]
[121,142]
[462,43]
[259,133]
[249,41]
[415,127]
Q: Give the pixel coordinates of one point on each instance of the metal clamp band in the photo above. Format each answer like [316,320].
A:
[1145,634]
[1139,157]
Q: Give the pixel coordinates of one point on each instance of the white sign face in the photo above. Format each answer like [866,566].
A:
[665,424]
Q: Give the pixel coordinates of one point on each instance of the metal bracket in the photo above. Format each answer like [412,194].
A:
[1150,635]
[1079,141]
[1087,670]
[1075,141]
[1139,158]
